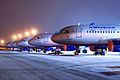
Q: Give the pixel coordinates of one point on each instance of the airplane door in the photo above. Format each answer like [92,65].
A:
[45,38]
[79,32]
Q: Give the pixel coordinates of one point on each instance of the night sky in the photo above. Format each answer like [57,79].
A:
[51,15]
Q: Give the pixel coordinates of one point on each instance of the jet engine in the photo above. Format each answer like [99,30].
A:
[114,45]
[92,48]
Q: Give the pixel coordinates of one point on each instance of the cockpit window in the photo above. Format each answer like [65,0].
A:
[24,40]
[38,37]
[72,30]
[64,31]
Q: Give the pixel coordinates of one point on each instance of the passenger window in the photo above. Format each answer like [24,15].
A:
[97,31]
[100,31]
[113,31]
[92,31]
[103,31]
[108,31]
[67,31]
[89,31]
[117,31]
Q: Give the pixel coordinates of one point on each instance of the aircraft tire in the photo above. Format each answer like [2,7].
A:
[84,51]
[76,53]
[95,53]
[36,50]
[102,53]
[28,50]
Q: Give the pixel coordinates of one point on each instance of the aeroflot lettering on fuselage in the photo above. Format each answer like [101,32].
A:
[101,27]
[102,30]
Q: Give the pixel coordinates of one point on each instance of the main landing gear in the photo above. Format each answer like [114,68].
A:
[20,49]
[100,52]
[28,49]
[78,51]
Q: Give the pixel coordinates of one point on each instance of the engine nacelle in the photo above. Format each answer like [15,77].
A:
[114,45]
[92,48]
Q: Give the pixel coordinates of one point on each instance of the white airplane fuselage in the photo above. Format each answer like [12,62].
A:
[24,43]
[87,34]
[14,44]
[43,40]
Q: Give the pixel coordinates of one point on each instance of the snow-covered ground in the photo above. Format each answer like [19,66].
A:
[89,62]
[107,66]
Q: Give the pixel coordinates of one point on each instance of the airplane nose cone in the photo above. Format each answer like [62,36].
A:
[55,38]
[14,45]
[30,42]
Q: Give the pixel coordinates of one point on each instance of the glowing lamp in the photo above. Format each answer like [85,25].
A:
[2,41]
[34,31]
[20,35]
[14,37]
[27,33]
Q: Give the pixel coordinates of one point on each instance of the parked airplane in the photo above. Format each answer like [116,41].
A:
[12,45]
[44,40]
[9,45]
[98,37]
[15,46]
[23,43]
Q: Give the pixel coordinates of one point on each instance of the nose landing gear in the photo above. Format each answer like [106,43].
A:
[77,51]
[44,49]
